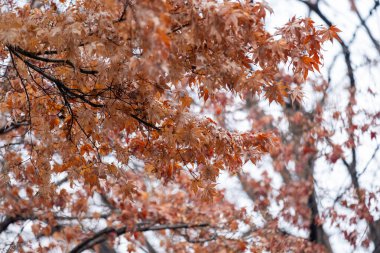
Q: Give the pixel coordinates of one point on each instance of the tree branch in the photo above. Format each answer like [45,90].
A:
[364,24]
[101,236]
[12,126]
[35,56]
[67,92]
[8,221]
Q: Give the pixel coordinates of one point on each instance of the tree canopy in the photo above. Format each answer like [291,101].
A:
[111,124]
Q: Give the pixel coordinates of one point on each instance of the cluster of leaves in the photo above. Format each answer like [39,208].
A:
[95,100]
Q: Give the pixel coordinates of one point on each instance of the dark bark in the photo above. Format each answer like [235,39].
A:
[102,235]
[317,233]
[12,126]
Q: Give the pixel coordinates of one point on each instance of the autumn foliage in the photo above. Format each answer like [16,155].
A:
[102,137]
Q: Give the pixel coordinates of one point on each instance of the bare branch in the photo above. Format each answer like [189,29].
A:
[101,236]
[364,24]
